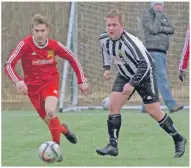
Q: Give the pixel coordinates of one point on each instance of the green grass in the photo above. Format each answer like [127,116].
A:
[142,142]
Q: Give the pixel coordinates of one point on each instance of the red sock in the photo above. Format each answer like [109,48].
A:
[54,127]
[63,129]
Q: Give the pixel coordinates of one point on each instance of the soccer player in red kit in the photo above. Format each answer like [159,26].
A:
[41,78]
[184,56]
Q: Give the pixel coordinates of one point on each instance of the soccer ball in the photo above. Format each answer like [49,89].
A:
[105,103]
[50,152]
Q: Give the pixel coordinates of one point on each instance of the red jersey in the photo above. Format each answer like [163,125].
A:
[185,52]
[39,63]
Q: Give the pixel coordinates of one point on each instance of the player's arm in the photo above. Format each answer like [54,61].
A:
[143,66]
[107,61]
[106,65]
[10,67]
[11,62]
[184,57]
[185,53]
[67,54]
[142,70]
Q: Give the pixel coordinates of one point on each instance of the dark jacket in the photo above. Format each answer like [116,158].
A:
[157,29]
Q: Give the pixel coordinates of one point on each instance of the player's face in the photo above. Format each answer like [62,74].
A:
[114,27]
[158,7]
[40,33]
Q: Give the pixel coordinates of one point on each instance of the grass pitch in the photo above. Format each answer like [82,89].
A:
[141,141]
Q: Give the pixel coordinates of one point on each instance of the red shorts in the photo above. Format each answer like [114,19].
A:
[38,100]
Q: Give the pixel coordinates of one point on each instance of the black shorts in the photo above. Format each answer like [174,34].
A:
[147,88]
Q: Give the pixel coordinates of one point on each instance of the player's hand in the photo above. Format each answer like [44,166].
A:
[22,87]
[107,75]
[84,88]
[128,89]
[182,75]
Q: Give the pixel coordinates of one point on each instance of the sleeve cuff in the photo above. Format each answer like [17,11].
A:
[131,83]
[107,67]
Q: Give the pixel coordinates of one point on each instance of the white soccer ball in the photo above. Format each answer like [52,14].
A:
[105,103]
[50,152]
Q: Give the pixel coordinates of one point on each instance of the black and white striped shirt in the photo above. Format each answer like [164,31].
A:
[128,54]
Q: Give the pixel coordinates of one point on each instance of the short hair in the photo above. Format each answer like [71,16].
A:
[39,19]
[116,12]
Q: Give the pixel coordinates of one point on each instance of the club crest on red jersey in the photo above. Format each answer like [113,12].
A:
[50,53]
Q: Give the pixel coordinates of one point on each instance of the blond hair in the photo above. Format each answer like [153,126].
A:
[116,13]
[39,19]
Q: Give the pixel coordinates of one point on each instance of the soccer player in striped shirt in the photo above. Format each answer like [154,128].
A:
[136,72]
[41,78]
[184,56]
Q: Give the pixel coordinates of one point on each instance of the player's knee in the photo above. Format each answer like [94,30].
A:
[50,113]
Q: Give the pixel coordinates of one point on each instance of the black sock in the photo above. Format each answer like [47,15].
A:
[167,124]
[114,124]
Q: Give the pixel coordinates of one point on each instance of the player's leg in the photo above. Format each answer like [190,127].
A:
[44,111]
[167,124]
[117,100]
[52,120]
[55,127]
[149,94]
[46,119]
[38,104]
[54,123]
[63,128]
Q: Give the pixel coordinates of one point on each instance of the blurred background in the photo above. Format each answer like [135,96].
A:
[16,17]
